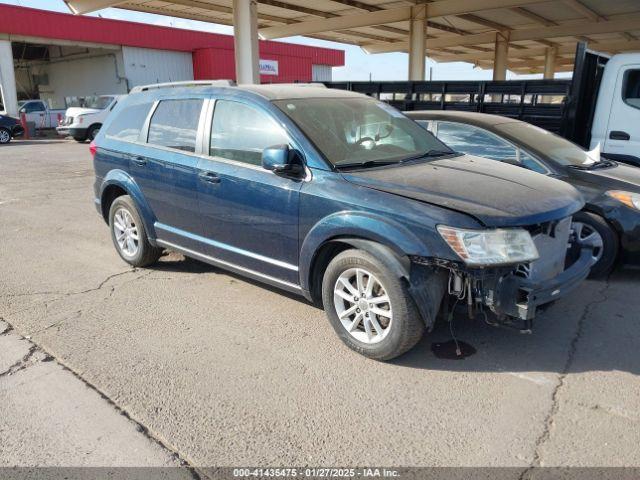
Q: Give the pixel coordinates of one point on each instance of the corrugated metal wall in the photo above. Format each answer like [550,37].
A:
[143,66]
[217,63]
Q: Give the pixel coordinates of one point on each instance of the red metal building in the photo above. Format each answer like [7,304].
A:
[212,54]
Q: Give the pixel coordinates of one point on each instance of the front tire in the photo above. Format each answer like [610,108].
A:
[93,132]
[5,136]
[369,307]
[128,234]
[594,230]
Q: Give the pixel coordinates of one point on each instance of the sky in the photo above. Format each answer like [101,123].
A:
[358,64]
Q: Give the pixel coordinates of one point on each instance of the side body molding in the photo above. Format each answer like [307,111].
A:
[122,179]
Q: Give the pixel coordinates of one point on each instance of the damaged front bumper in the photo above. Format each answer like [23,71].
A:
[507,292]
[518,297]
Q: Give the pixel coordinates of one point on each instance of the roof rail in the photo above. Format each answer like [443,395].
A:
[187,83]
[314,85]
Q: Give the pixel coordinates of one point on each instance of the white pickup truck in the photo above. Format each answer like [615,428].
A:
[38,111]
[83,123]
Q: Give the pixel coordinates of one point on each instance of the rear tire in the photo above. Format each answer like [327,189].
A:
[381,324]
[128,234]
[596,229]
[5,136]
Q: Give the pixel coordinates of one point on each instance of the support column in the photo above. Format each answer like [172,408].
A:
[550,62]
[245,35]
[8,79]
[501,56]
[417,49]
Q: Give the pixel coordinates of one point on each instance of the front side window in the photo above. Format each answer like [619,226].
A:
[128,123]
[475,141]
[240,132]
[174,124]
[354,130]
[631,88]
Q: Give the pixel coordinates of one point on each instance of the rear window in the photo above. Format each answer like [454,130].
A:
[175,124]
[127,125]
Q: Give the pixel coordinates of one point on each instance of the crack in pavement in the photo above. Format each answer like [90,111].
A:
[68,294]
[555,395]
[21,364]
[39,354]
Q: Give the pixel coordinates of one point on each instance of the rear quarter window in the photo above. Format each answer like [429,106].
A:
[129,122]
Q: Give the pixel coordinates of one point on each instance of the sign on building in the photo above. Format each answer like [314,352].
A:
[268,67]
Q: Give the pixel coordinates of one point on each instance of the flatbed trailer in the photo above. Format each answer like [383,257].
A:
[562,106]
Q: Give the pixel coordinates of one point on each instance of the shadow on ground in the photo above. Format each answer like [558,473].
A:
[603,331]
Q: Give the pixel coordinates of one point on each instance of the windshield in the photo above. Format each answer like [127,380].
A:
[556,148]
[360,130]
[99,103]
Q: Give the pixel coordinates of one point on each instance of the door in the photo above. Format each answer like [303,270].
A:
[623,131]
[165,167]
[36,112]
[249,214]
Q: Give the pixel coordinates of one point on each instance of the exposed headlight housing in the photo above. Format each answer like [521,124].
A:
[630,199]
[490,247]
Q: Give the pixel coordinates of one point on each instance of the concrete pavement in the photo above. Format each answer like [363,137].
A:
[221,371]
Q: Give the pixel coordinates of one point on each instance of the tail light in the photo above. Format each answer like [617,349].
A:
[93,148]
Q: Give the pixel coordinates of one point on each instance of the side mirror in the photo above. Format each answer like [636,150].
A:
[281,160]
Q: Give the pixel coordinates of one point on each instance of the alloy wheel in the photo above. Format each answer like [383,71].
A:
[4,136]
[587,235]
[363,305]
[126,232]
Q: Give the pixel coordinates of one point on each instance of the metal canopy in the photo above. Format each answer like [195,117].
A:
[536,31]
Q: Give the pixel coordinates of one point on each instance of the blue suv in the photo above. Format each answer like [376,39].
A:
[338,197]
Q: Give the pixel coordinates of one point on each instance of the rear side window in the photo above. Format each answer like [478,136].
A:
[240,132]
[129,122]
[174,124]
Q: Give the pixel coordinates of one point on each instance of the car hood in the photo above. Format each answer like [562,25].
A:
[497,194]
[7,120]
[621,177]
[75,111]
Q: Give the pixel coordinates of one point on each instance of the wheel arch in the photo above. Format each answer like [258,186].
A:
[93,125]
[382,237]
[328,250]
[118,183]
[611,220]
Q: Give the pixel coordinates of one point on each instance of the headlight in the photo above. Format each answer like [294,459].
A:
[490,247]
[628,198]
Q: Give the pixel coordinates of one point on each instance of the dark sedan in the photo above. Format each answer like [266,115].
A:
[610,221]
[9,128]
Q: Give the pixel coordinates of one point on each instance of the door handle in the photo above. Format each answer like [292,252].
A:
[140,161]
[209,177]
[619,135]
